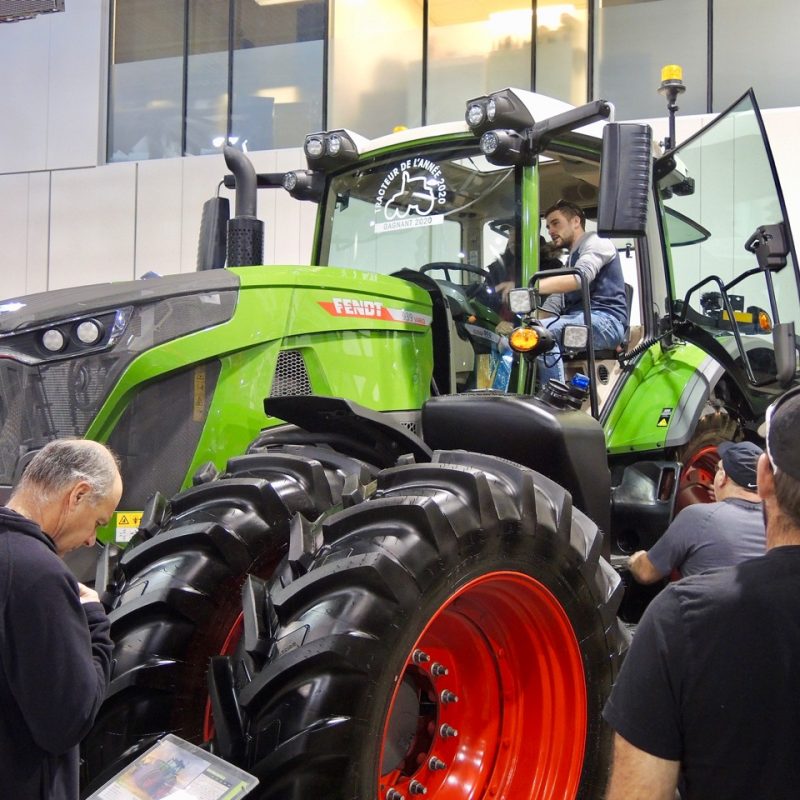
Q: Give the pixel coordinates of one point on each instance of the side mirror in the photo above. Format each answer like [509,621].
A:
[768,245]
[625,179]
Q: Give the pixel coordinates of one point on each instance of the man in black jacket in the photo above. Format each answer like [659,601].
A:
[707,693]
[55,650]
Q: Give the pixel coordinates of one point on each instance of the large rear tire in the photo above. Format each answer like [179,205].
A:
[699,458]
[455,635]
[176,602]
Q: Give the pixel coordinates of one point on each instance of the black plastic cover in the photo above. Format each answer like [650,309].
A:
[625,179]
[212,242]
[567,446]
[31,311]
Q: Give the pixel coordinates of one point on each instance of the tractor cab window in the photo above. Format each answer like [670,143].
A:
[717,191]
[446,213]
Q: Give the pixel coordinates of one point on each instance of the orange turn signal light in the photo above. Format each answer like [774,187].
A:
[523,340]
[764,322]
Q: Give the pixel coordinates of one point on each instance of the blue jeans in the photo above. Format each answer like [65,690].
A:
[607,332]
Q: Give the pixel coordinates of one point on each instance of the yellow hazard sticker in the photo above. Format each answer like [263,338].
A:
[199,404]
[126,524]
[663,420]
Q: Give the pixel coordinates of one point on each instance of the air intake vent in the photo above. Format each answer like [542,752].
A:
[291,376]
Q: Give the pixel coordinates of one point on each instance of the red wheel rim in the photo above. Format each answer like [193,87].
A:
[228,648]
[514,722]
[697,478]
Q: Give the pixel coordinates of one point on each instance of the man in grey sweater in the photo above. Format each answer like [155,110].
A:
[708,535]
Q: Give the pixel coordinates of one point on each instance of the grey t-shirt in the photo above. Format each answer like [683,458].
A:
[708,535]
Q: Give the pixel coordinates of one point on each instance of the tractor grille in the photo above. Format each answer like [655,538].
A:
[291,376]
[411,420]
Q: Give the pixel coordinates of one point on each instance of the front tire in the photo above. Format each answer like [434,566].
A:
[176,602]
[455,636]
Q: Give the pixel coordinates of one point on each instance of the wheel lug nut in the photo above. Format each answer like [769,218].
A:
[420,657]
[415,787]
[393,794]
[447,732]
[436,763]
[449,697]
[438,669]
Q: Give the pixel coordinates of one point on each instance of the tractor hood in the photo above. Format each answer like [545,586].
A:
[30,311]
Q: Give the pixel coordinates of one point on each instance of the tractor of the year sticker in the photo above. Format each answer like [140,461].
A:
[409,195]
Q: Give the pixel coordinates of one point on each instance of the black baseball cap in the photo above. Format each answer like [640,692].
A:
[739,460]
[783,424]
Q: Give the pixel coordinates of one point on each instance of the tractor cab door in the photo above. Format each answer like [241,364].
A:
[732,268]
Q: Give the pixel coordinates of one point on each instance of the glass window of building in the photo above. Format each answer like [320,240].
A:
[634,40]
[475,48]
[278,68]
[206,76]
[562,49]
[375,80]
[742,31]
[146,82]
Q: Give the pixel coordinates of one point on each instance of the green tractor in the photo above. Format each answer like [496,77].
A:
[356,554]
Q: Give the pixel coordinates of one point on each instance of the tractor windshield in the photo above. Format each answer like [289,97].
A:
[445,211]
[722,189]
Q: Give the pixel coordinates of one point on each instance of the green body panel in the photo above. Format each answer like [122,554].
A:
[656,383]
[356,331]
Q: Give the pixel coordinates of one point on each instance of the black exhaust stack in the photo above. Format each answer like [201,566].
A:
[245,231]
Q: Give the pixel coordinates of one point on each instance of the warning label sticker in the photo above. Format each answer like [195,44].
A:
[663,420]
[127,523]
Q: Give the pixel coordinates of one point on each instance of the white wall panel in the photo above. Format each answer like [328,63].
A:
[13,235]
[24,48]
[92,225]
[159,204]
[782,125]
[292,233]
[38,233]
[77,67]
[266,161]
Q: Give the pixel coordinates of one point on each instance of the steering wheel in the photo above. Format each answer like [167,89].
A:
[446,266]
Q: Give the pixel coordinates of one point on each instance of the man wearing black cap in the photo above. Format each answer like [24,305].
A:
[708,691]
[707,535]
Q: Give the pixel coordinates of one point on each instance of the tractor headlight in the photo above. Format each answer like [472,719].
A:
[519,301]
[503,148]
[575,337]
[328,149]
[475,115]
[333,145]
[89,332]
[509,108]
[304,184]
[53,340]
[314,147]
